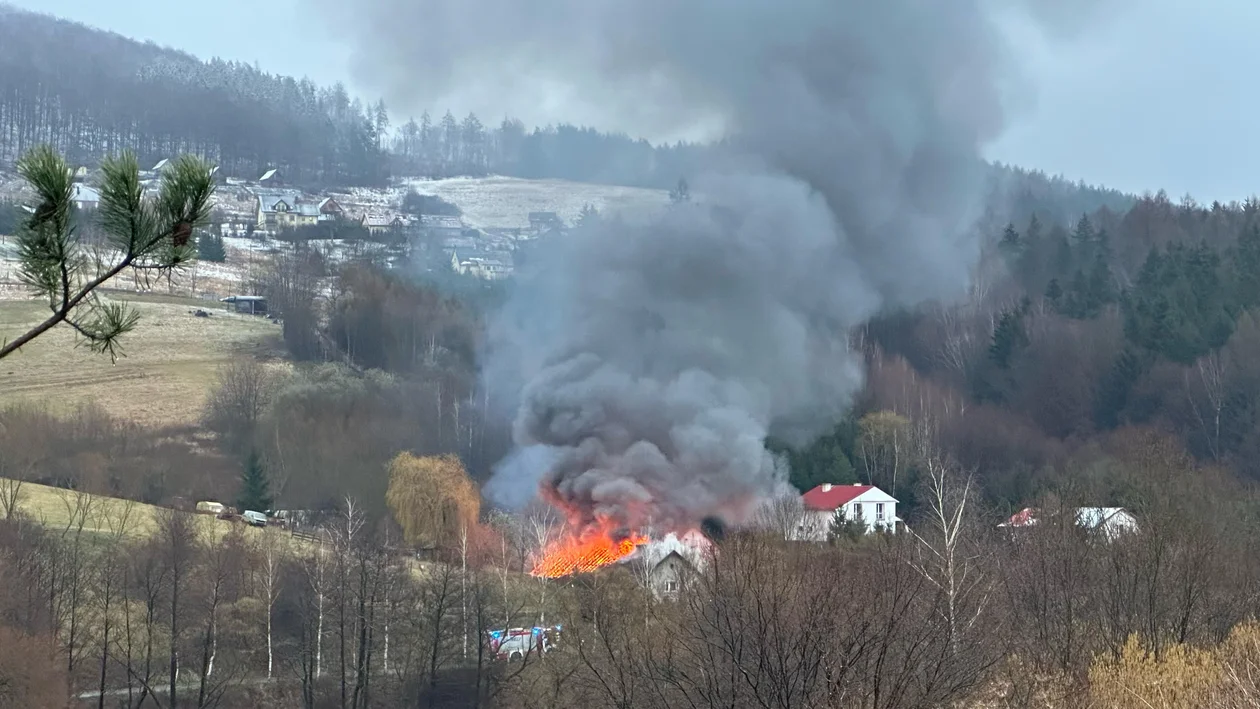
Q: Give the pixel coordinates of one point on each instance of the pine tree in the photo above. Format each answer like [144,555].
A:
[1010,245]
[155,236]
[210,247]
[589,216]
[1009,336]
[1083,235]
[1054,293]
[1101,288]
[681,191]
[1033,232]
[1113,395]
[843,528]
[1245,268]
[255,489]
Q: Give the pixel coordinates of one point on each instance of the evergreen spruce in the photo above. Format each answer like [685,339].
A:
[1011,245]
[210,247]
[1009,336]
[1054,293]
[255,489]
[1083,235]
[681,191]
[844,529]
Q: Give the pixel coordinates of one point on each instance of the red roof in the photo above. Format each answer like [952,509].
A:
[1023,518]
[830,497]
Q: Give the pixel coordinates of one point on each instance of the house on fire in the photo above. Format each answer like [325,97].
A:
[665,563]
[867,503]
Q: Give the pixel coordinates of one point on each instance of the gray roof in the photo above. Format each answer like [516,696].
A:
[381,220]
[306,209]
[268,200]
[490,258]
[434,221]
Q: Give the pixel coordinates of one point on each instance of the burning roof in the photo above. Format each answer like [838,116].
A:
[592,550]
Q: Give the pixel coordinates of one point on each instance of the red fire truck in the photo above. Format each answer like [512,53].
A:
[517,643]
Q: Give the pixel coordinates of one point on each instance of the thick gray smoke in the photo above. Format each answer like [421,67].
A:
[654,354]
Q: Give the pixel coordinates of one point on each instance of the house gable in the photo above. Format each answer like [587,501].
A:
[875,507]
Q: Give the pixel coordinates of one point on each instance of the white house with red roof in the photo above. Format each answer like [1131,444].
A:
[1111,521]
[865,502]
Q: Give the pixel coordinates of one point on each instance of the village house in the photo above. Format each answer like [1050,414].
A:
[436,227]
[85,197]
[876,508]
[270,178]
[486,265]
[461,243]
[384,223]
[290,209]
[665,563]
[1110,521]
[542,221]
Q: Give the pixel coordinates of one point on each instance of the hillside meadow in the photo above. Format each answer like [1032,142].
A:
[168,366]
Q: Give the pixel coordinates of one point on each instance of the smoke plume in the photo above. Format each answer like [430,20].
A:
[654,354]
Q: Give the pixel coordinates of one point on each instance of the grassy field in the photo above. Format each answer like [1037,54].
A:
[170,363]
[55,509]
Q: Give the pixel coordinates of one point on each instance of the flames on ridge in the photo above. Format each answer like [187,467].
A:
[589,550]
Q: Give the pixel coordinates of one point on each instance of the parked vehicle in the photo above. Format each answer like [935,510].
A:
[211,508]
[254,519]
[516,643]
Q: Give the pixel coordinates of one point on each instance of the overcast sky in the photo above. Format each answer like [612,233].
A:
[1162,97]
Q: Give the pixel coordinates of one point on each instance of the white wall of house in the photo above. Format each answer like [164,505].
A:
[667,577]
[875,507]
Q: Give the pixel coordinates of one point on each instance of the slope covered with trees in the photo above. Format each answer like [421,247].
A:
[1072,334]
[91,94]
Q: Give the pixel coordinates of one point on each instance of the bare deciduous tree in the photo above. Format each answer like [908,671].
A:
[242,391]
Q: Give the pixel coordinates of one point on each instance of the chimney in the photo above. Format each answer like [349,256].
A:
[826,487]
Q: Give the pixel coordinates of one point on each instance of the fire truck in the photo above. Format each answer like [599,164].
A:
[517,643]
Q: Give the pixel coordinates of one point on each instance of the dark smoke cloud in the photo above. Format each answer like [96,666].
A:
[652,356]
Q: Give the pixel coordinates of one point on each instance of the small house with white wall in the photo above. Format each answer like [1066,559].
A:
[666,562]
[85,197]
[1110,521]
[868,503]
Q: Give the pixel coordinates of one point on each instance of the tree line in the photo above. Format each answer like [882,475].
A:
[1072,330]
[92,94]
[165,608]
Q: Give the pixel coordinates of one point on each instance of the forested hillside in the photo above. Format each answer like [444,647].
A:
[1073,334]
[91,93]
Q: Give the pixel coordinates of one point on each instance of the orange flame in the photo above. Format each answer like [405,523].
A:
[591,550]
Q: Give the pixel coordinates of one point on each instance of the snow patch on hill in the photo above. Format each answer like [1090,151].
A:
[489,202]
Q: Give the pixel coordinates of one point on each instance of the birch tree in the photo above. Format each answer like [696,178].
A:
[949,556]
[273,548]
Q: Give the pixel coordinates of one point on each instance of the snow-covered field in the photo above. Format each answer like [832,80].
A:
[507,201]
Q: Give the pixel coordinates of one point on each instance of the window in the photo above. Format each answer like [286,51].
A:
[879,512]
[671,586]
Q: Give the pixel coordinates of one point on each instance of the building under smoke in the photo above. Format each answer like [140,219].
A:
[650,356]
